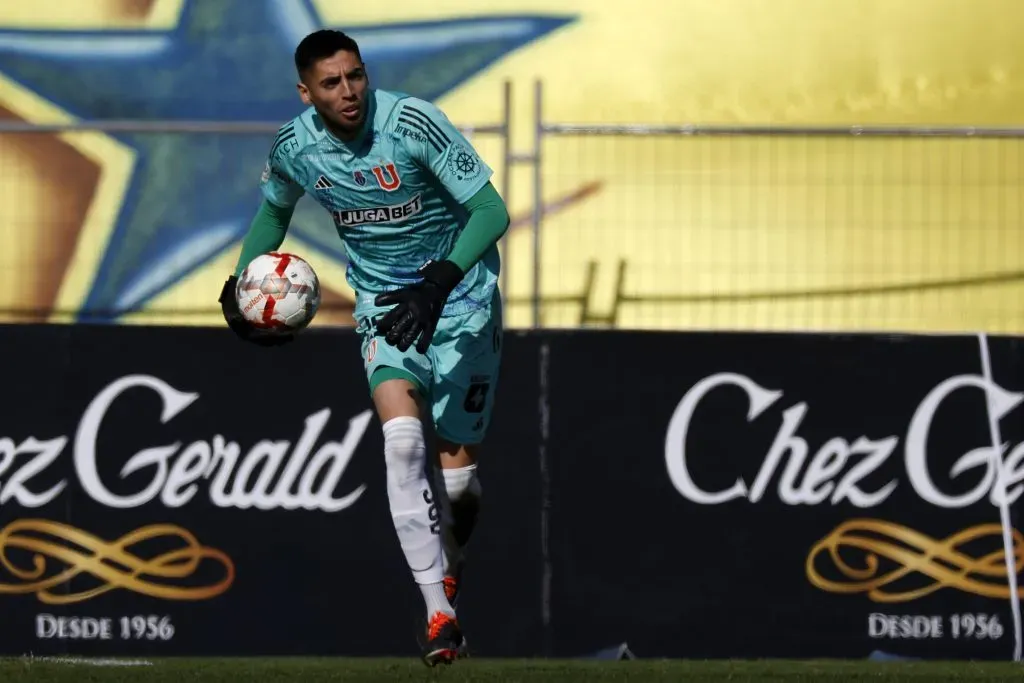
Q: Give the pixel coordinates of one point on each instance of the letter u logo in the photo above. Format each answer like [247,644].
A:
[389,182]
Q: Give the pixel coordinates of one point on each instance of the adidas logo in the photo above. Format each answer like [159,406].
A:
[323,183]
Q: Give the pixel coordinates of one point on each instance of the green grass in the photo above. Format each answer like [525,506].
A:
[310,670]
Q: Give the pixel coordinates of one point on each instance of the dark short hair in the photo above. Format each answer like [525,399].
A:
[320,45]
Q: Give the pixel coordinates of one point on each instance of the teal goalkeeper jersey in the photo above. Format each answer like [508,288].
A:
[395,194]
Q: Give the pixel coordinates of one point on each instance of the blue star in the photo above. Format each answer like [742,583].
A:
[192,196]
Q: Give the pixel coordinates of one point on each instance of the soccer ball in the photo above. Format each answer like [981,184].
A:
[279,293]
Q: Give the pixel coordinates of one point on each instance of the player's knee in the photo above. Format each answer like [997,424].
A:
[404,449]
[460,482]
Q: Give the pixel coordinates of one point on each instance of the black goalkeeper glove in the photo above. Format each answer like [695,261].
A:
[418,306]
[237,322]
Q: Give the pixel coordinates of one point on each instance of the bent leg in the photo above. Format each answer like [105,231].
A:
[462,487]
[415,514]
[398,383]
[466,358]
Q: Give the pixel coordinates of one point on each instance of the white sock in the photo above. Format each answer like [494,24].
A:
[458,481]
[416,516]
[437,601]
[460,484]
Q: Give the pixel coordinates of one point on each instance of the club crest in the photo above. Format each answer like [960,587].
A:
[387,177]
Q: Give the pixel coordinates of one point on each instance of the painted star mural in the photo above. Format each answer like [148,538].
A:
[190,197]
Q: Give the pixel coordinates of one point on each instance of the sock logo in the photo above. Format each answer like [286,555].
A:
[432,512]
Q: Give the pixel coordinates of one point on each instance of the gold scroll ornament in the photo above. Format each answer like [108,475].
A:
[111,562]
[858,547]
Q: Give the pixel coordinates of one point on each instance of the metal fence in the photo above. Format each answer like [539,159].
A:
[773,227]
[638,226]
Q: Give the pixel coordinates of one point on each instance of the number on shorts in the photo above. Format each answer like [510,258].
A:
[476,397]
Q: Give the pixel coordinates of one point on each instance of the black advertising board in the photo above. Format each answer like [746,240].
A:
[780,496]
[176,491]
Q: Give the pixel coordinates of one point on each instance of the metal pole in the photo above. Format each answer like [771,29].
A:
[506,186]
[784,131]
[182,127]
[261,127]
[538,199]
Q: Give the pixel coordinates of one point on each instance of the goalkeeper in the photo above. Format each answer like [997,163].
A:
[419,218]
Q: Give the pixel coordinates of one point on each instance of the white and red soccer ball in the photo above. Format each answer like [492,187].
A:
[278,292]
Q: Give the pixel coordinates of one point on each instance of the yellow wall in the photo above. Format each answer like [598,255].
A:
[721,217]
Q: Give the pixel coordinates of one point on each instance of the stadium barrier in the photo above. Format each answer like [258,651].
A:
[173,491]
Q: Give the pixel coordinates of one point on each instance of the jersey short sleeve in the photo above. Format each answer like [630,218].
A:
[432,140]
[277,182]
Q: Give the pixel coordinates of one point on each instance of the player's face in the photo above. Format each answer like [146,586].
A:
[336,87]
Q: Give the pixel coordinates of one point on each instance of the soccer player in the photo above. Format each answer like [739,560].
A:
[420,220]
